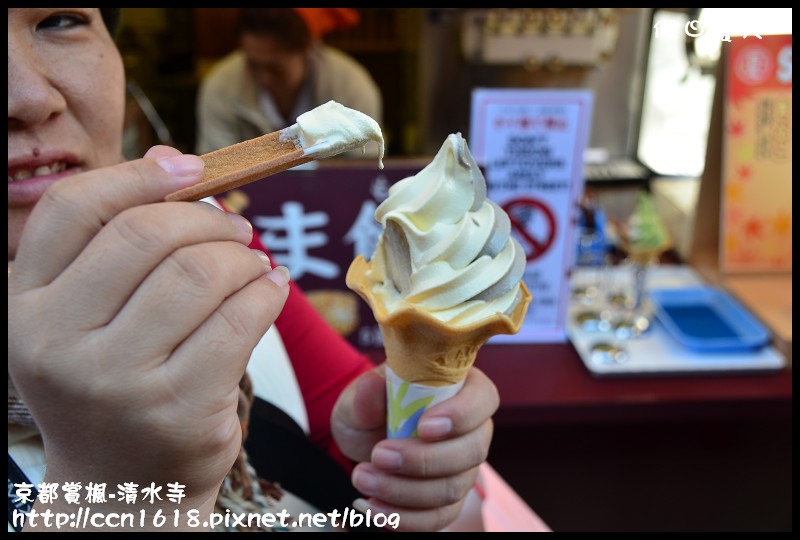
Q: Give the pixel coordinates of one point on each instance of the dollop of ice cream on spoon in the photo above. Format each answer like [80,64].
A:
[331,129]
[323,132]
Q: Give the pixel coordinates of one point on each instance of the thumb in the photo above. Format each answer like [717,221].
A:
[358,421]
[369,401]
[83,203]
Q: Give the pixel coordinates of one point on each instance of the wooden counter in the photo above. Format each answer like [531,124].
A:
[548,383]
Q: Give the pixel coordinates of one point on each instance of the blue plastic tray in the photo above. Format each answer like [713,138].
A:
[706,318]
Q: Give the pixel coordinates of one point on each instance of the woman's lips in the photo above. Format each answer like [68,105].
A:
[41,170]
[29,176]
[26,185]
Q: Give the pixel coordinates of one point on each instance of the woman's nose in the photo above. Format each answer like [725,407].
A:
[33,95]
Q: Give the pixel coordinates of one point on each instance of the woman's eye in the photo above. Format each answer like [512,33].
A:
[60,21]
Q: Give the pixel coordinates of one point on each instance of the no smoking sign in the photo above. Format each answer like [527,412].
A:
[534,224]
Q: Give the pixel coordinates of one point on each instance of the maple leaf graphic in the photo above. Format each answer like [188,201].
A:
[782,223]
[734,192]
[736,128]
[744,172]
[754,227]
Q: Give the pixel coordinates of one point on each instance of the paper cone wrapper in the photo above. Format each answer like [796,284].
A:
[425,352]
[406,401]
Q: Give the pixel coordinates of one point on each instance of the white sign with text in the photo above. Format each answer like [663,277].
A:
[530,144]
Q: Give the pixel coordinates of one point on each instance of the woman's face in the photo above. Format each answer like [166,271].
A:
[66,97]
[275,68]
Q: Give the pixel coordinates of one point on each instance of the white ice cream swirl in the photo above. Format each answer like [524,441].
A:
[331,129]
[445,247]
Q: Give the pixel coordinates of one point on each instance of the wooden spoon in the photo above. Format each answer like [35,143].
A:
[242,163]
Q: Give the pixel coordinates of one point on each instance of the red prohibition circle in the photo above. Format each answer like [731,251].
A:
[534,247]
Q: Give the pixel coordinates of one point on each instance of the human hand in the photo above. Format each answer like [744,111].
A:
[425,479]
[130,324]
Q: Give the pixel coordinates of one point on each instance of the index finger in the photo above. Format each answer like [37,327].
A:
[73,210]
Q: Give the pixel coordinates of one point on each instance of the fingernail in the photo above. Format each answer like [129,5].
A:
[361,505]
[279,276]
[264,259]
[183,165]
[386,459]
[242,224]
[365,482]
[431,428]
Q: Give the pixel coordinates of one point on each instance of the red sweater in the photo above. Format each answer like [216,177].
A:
[323,361]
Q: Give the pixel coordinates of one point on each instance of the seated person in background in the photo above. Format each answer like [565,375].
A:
[281,70]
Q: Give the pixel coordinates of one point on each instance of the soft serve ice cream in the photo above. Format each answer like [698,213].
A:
[445,247]
[331,129]
[445,277]
[645,236]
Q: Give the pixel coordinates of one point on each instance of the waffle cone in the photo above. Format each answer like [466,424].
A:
[424,350]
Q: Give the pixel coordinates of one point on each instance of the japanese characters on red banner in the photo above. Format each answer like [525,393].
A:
[315,222]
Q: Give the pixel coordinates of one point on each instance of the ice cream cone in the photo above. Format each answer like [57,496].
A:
[445,276]
[427,359]
[422,349]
